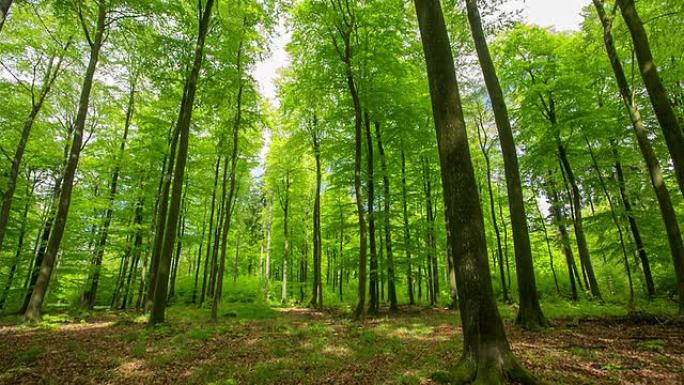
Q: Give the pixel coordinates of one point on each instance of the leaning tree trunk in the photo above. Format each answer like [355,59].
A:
[391,279]
[667,211]
[633,226]
[482,139]
[530,314]
[487,357]
[183,127]
[582,246]
[51,74]
[38,296]
[559,218]
[672,130]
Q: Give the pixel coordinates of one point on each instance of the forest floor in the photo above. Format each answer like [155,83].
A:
[256,344]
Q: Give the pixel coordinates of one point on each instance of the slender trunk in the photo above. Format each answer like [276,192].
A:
[582,246]
[657,180]
[430,242]
[137,245]
[530,314]
[374,289]
[345,29]
[669,123]
[483,139]
[559,218]
[633,226]
[94,278]
[199,257]
[317,292]
[391,279]
[285,205]
[542,221]
[51,74]
[232,194]
[407,230]
[20,246]
[33,311]
[267,264]
[183,127]
[487,357]
[616,222]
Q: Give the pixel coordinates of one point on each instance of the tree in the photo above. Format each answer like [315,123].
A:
[657,180]
[656,91]
[486,357]
[529,314]
[33,311]
[183,128]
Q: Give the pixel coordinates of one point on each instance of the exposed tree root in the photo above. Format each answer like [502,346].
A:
[502,371]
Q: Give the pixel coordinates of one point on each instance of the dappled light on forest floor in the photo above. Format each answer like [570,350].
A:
[303,346]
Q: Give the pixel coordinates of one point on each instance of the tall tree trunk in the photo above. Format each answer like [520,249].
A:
[374,291]
[657,180]
[183,126]
[232,193]
[161,215]
[548,246]
[20,247]
[317,292]
[430,241]
[199,257]
[582,246]
[94,276]
[49,78]
[391,278]
[487,357]
[559,218]
[137,245]
[633,226]
[660,101]
[407,230]
[616,221]
[530,314]
[346,26]
[484,147]
[267,263]
[285,205]
[33,312]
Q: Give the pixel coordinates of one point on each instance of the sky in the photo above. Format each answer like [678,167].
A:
[560,14]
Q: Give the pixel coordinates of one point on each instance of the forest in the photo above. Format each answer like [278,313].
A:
[439,192]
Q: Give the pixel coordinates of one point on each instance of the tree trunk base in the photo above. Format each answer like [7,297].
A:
[499,368]
[532,321]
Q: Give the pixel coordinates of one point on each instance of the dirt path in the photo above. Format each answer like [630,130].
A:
[306,347]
